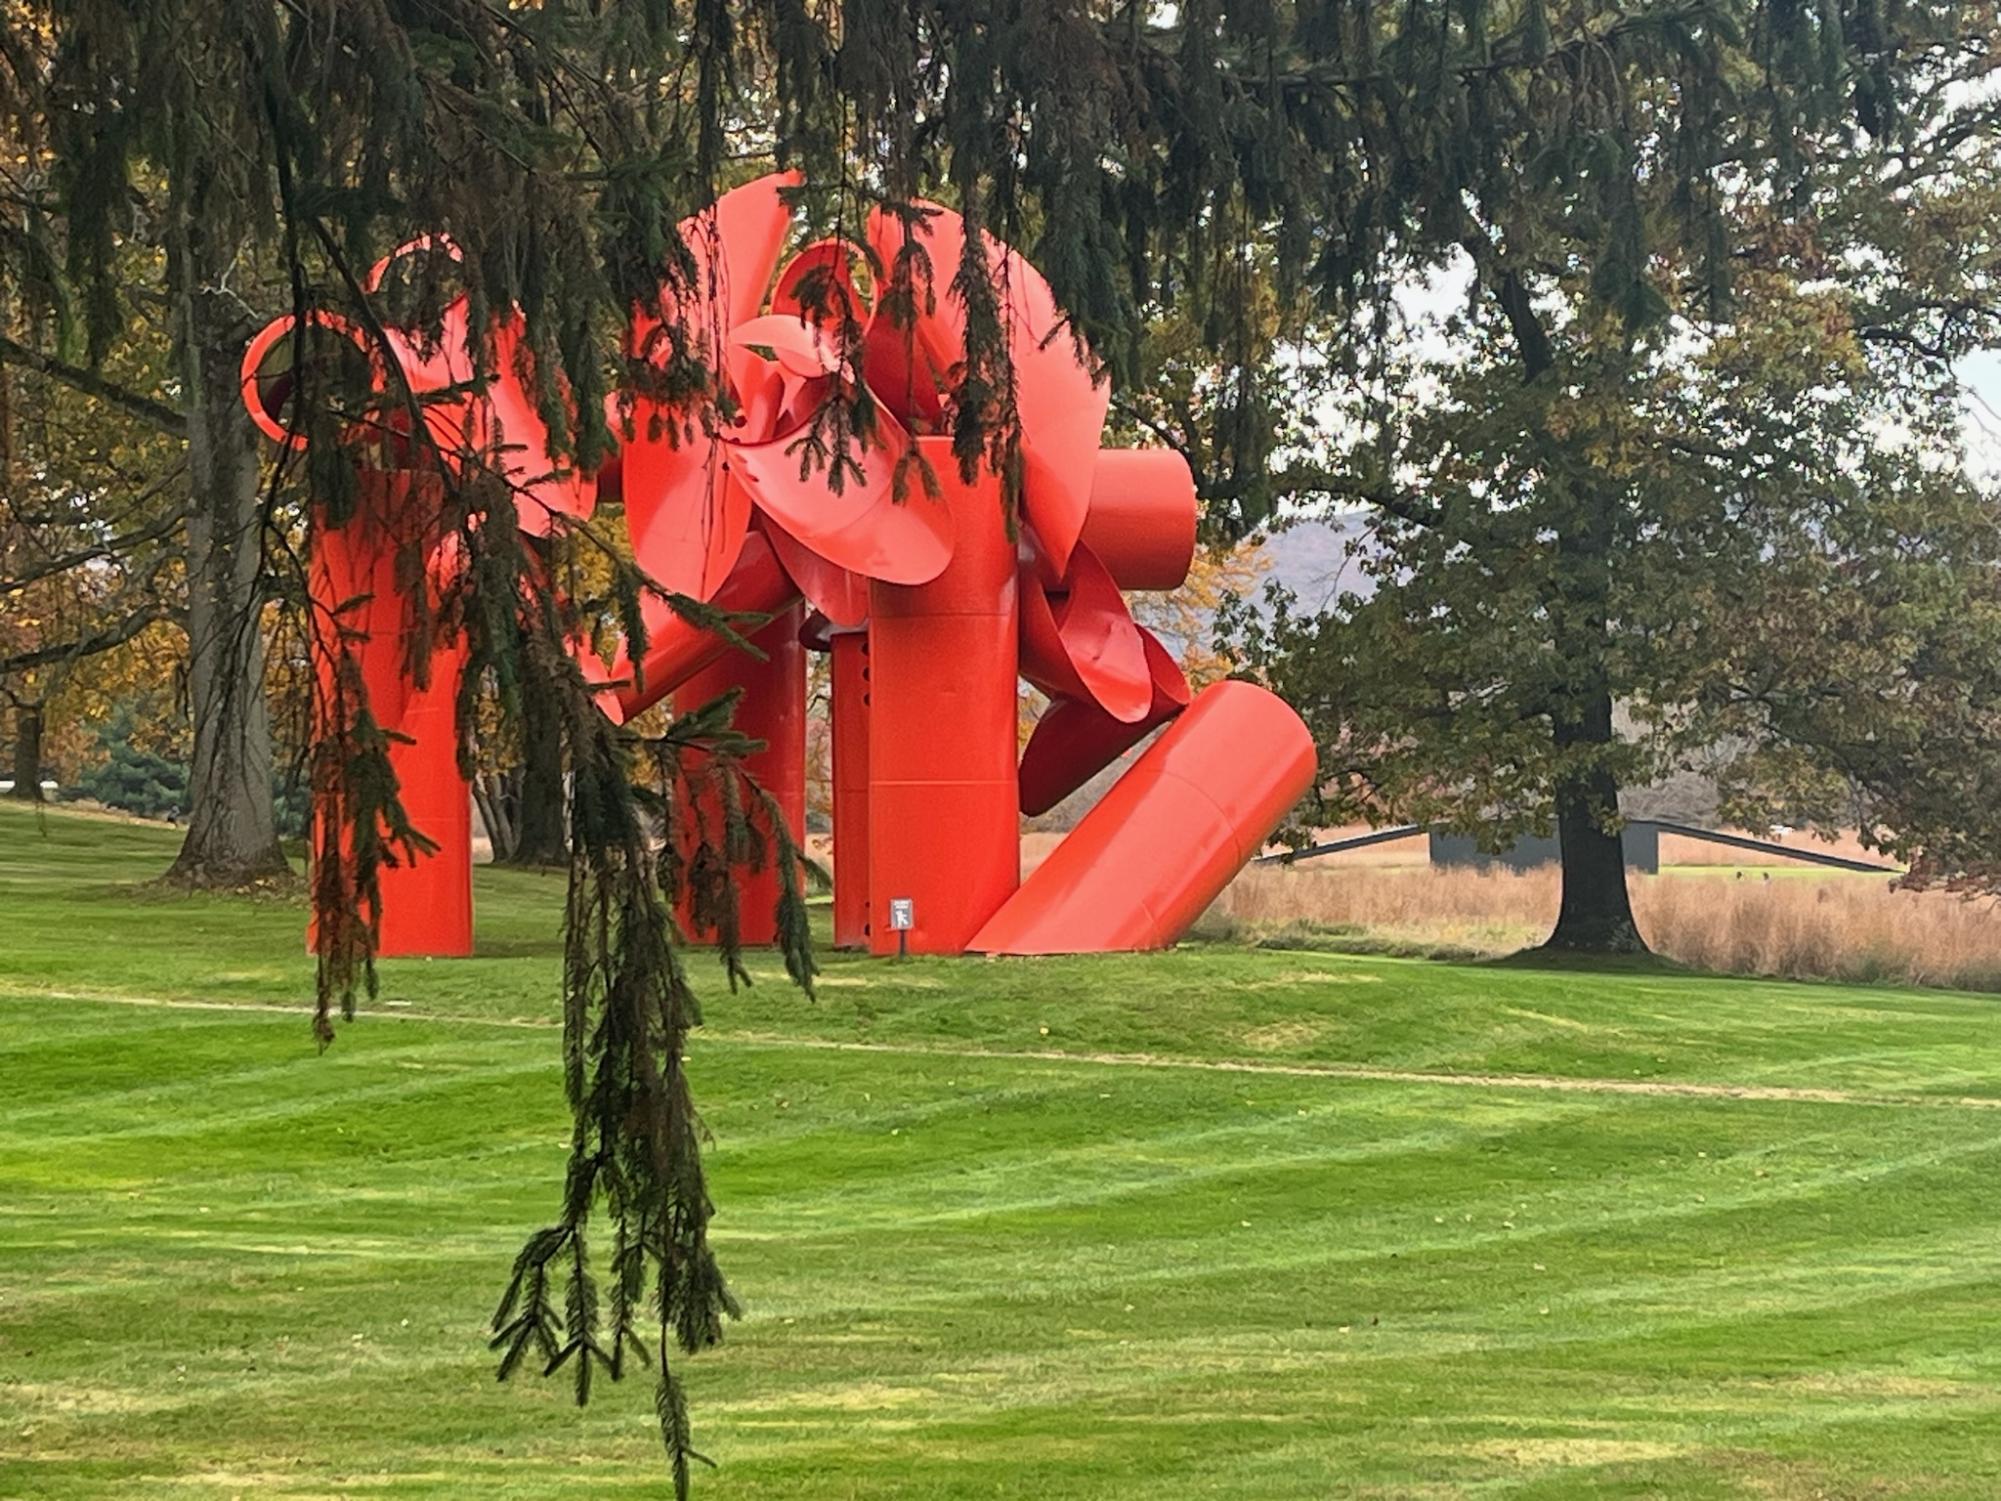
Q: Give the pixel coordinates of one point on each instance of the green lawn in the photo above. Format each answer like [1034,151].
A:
[1003,1228]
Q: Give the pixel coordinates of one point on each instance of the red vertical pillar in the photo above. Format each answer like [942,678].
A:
[850,715]
[944,806]
[361,608]
[427,905]
[772,709]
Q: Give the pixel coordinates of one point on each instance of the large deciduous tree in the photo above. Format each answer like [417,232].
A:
[1706,332]
[90,566]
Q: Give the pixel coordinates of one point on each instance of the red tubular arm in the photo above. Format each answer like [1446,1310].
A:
[677,649]
[1142,518]
[1169,835]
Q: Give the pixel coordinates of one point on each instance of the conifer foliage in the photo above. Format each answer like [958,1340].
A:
[1220,159]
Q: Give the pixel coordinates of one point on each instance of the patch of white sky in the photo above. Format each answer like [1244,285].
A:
[1425,304]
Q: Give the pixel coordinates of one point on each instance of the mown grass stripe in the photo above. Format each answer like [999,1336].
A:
[1556,1083]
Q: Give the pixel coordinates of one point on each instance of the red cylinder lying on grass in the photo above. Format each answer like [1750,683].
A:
[1169,835]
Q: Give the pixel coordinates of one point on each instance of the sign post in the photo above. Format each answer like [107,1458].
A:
[902,918]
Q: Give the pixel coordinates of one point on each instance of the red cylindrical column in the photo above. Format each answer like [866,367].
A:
[360,607]
[944,809]
[772,709]
[850,715]
[1141,523]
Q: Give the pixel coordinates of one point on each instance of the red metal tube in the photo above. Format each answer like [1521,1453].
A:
[1142,518]
[850,715]
[772,709]
[1167,838]
[944,809]
[426,903]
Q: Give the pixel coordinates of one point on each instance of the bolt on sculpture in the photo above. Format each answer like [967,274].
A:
[886,556]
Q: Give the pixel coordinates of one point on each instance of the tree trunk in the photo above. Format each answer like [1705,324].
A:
[1597,912]
[490,798]
[541,823]
[27,751]
[232,837]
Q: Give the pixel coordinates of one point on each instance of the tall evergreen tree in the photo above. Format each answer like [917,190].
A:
[1138,154]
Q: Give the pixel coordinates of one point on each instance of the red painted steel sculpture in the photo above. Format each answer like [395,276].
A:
[884,555]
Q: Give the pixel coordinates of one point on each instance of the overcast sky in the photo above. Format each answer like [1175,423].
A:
[1983,412]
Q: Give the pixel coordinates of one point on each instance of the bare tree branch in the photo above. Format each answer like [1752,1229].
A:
[87,646]
[158,413]
[100,550]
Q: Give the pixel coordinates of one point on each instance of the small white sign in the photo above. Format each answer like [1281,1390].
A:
[902,913]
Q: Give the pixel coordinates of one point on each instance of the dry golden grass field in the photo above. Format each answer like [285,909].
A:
[1712,908]
[1790,922]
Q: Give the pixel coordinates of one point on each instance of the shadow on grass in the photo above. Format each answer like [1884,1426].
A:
[1572,962]
[1361,942]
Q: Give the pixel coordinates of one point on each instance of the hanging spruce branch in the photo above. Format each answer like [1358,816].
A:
[1132,150]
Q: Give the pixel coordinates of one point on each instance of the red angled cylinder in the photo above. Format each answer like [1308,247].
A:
[943,800]
[1163,843]
[1142,518]
[360,606]
[772,709]
[850,715]
[677,649]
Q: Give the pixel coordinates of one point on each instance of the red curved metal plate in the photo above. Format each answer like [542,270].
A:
[908,366]
[834,260]
[904,374]
[802,348]
[1101,641]
[1062,410]
[513,438]
[735,243]
[762,391]
[686,519]
[688,525]
[1044,662]
[841,596]
[1062,406]
[1075,739]
[1083,643]
[865,528]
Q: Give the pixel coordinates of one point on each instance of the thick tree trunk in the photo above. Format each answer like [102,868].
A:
[28,724]
[1597,911]
[232,837]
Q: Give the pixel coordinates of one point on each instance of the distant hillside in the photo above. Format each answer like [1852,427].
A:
[1312,561]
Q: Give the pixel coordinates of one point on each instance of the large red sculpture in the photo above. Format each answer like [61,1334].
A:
[932,604]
